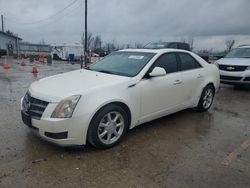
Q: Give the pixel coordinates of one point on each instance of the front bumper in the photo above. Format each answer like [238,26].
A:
[63,132]
[240,78]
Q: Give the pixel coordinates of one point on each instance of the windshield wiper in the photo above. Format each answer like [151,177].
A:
[106,71]
[112,72]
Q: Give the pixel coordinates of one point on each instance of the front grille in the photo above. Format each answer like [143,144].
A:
[34,107]
[231,68]
[247,79]
[234,78]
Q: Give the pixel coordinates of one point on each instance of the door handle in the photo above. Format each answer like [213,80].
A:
[177,82]
[199,76]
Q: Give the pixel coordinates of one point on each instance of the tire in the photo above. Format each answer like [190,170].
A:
[108,127]
[206,99]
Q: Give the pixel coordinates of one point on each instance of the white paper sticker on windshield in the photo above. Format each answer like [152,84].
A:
[138,57]
[160,45]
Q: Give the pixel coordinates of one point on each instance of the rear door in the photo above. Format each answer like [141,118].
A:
[192,76]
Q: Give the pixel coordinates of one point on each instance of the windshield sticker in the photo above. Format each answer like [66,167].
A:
[138,57]
[160,45]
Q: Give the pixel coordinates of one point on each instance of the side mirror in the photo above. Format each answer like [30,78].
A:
[158,71]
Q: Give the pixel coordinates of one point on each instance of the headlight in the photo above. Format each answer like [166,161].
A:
[248,68]
[66,107]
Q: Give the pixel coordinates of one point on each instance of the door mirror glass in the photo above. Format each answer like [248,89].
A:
[158,71]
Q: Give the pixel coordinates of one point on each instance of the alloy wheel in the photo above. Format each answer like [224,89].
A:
[208,98]
[111,127]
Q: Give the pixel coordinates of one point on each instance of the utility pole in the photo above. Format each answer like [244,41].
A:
[2,23]
[86,33]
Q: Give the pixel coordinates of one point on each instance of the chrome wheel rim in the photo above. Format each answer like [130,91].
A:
[208,98]
[110,127]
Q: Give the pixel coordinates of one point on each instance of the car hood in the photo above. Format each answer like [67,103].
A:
[234,61]
[58,87]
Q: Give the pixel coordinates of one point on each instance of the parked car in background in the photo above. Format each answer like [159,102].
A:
[235,66]
[163,45]
[174,45]
[119,92]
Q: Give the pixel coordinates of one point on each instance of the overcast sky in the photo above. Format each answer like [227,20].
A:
[210,22]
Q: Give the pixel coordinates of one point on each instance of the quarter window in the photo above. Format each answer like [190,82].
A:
[188,62]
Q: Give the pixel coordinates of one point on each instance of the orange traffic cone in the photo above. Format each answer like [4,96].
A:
[6,66]
[34,69]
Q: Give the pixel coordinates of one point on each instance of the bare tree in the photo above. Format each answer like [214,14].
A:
[110,47]
[128,46]
[138,45]
[183,40]
[97,42]
[90,40]
[229,44]
[191,43]
[122,46]
[9,32]
[42,41]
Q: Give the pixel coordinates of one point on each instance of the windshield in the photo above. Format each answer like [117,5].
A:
[157,45]
[123,63]
[239,53]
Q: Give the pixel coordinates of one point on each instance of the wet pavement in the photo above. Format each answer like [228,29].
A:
[186,149]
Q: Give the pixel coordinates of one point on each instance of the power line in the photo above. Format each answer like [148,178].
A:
[45,19]
[56,20]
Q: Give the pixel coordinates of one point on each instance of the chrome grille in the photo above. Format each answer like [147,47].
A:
[247,79]
[33,107]
[233,78]
[231,68]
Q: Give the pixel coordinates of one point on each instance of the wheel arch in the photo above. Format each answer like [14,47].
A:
[212,84]
[200,92]
[122,104]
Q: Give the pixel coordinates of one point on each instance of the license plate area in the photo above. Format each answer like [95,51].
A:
[27,120]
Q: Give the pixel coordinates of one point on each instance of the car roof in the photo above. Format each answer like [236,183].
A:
[160,51]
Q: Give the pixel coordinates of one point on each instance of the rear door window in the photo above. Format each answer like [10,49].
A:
[188,62]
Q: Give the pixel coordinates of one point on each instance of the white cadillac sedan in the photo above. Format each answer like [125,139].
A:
[119,92]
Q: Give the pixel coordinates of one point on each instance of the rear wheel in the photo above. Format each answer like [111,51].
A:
[108,127]
[206,98]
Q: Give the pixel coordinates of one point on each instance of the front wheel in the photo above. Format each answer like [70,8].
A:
[108,127]
[206,98]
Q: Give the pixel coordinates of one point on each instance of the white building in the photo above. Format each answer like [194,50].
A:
[9,44]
